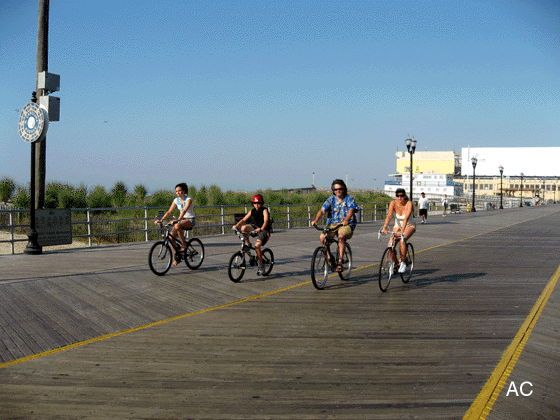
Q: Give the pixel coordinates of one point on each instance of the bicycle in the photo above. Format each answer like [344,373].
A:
[161,256]
[323,260]
[389,264]
[238,261]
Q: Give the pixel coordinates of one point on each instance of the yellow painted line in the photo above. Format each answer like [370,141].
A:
[142,327]
[153,324]
[483,404]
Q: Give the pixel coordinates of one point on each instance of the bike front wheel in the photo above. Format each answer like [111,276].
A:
[319,268]
[386,269]
[405,277]
[268,261]
[346,263]
[236,267]
[194,253]
[160,258]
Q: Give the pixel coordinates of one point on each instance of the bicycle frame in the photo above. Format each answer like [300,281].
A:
[329,240]
[160,257]
[238,261]
[323,260]
[246,249]
[389,264]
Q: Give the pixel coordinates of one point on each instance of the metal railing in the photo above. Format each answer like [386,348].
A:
[100,226]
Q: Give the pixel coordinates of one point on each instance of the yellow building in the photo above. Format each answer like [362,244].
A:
[427,163]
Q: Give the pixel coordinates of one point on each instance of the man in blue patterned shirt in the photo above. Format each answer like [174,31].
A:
[341,209]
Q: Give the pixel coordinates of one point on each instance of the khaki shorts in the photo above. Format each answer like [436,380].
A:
[346,231]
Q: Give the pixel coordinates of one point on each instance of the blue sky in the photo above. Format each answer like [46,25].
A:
[260,94]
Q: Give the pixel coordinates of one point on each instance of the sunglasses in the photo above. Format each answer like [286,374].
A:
[338,189]
[401,195]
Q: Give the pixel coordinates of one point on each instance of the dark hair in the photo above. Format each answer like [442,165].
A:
[339,182]
[183,186]
[401,191]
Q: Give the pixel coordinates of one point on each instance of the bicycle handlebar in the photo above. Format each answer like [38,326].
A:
[326,229]
[389,233]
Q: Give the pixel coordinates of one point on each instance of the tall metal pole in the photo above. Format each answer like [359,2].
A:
[474,161]
[501,168]
[411,147]
[521,188]
[42,65]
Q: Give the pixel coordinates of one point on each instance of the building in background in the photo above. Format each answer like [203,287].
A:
[433,174]
[439,173]
[539,166]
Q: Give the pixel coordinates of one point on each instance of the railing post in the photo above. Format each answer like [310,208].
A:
[222,211]
[12,231]
[288,211]
[375,212]
[88,219]
[146,222]
[309,215]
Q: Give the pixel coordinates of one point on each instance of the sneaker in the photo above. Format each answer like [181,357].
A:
[422,222]
[260,270]
[402,268]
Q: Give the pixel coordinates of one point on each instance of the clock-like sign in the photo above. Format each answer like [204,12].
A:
[33,122]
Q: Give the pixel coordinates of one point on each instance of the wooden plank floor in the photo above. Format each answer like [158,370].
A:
[275,347]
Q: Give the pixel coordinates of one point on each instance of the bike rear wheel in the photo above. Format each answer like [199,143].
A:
[236,267]
[319,268]
[194,253]
[386,269]
[405,277]
[268,261]
[160,258]
[346,263]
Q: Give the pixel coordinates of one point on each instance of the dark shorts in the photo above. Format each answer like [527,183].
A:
[423,212]
[262,236]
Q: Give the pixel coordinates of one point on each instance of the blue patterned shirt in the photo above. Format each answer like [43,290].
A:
[337,212]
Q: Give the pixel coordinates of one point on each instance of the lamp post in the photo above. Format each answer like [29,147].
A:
[501,168]
[521,188]
[474,161]
[411,147]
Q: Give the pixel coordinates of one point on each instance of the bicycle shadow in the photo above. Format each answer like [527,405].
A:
[336,283]
[424,278]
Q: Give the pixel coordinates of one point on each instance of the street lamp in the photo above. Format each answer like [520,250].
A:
[501,168]
[411,147]
[474,161]
[521,188]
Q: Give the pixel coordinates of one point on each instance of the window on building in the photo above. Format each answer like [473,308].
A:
[548,187]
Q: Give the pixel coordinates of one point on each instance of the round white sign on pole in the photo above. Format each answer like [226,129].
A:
[33,122]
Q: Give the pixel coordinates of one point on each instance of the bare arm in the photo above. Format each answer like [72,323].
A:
[242,221]
[320,214]
[169,212]
[389,216]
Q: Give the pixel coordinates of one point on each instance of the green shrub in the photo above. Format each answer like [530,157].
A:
[161,199]
[216,197]
[119,194]
[7,188]
[99,198]
[22,199]
[201,197]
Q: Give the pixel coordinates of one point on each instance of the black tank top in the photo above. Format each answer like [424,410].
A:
[257,217]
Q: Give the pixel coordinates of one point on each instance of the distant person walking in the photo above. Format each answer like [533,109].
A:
[423,205]
[444,203]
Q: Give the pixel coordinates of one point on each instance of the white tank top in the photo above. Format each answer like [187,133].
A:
[189,214]
[399,220]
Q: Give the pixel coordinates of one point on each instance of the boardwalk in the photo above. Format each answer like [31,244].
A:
[93,334]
